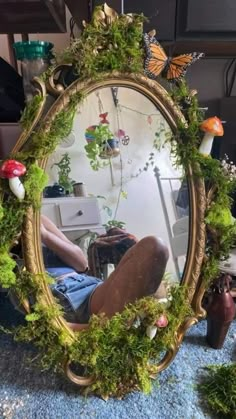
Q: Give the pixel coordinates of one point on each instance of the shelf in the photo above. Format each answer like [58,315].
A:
[32,16]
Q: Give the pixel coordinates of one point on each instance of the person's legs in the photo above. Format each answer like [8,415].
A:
[138,275]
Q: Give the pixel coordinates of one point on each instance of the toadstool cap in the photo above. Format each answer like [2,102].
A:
[213,125]
[162,321]
[12,168]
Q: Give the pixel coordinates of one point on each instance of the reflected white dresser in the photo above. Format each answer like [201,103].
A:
[74,214]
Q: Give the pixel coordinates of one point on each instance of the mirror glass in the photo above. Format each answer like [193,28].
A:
[136,187]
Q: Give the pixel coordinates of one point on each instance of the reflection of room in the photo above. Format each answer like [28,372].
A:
[127,192]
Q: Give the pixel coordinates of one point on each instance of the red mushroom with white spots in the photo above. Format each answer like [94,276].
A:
[12,170]
[212,127]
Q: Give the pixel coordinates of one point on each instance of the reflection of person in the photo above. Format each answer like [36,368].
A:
[137,275]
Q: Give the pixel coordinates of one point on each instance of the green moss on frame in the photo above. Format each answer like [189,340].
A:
[44,141]
[116,372]
[185,143]
[35,181]
[30,112]
[107,47]
[7,265]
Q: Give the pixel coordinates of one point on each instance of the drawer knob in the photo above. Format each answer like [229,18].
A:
[80,212]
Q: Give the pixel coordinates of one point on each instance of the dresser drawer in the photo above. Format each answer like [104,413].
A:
[84,212]
[51,211]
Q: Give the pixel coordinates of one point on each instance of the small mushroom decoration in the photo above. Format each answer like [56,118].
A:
[160,323]
[151,332]
[212,127]
[12,170]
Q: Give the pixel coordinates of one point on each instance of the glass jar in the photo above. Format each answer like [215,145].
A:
[35,59]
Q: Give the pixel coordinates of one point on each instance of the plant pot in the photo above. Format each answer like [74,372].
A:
[111,149]
[54,191]
[220,313]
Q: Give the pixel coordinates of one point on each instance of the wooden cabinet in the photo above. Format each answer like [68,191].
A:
[188,25]
[206,20]
[73,213]
[161,16]
[32,16]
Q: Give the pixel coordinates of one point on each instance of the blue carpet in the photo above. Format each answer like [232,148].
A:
[28,393]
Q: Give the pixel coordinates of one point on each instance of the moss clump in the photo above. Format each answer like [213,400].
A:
[40,331]
[12,219]
[30,112]
[44,141]
[116,371]
[107,46]
[125,369]
[35,181]
[7,265]
[219,216]
[218,389]
[1,212]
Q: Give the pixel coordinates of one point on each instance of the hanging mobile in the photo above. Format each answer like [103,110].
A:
[125,140]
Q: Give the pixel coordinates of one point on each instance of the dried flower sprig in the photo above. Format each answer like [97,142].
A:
[229,168]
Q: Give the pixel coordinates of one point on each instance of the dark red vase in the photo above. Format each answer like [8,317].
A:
[220,313]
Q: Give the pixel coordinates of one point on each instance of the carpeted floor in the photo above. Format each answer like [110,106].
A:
[27,393]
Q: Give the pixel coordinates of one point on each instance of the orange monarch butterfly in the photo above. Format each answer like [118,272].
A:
[157,61]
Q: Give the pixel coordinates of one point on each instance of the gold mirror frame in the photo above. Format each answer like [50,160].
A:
[196,249]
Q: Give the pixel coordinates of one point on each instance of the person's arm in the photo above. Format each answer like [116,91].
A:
[67,251]
[50,226]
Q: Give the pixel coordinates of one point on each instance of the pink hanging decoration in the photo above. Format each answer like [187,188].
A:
[103,117]
[120,133]
[149,119]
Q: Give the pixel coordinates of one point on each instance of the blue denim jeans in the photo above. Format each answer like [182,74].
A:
[74,292]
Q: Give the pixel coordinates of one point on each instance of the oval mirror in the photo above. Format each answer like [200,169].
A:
[111,246]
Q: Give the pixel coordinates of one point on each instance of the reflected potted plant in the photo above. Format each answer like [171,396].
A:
[101,143]
[64,169]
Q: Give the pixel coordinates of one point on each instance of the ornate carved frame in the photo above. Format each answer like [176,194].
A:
[31,231]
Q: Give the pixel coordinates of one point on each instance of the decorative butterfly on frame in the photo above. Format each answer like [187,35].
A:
[157,61]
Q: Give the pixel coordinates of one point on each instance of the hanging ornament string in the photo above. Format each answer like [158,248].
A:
[100,104]
[148,115]
[103,117]
[150,121]
[121,192]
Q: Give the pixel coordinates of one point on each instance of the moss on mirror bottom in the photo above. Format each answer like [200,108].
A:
[118,371]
